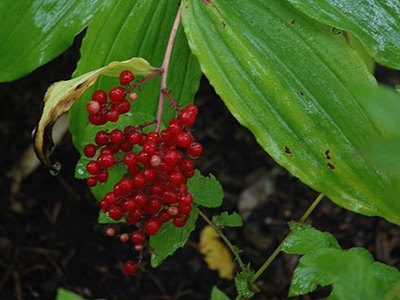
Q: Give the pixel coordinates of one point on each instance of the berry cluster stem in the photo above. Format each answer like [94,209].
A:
[164,67]
[274,254]
[144,80]
[233,249]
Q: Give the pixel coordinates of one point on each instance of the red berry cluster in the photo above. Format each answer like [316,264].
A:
[105,108]
[153,191]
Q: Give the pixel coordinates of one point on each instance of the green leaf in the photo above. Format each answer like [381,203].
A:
[304,238]
[63,294]
[36,31]
[217,294]
[352,273]
[206,191]
[227,220]
[298,100]
[170,238]
[375,22]
[243,283]
[136,28]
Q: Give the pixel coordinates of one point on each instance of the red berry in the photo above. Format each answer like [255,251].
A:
[116,94]
[128,205]
[91,181]
[186,199]
[92,167]
[152,225]
[115,213]
[195,149]
[116,136]
[130,159]
[183,139]
[153,206]
[106,160]
[139,181]
[112,115]
[99,96]
[164,216]
[90,150]
[180,220]
[152,136]
[141,199]
[130,267]
[150,174]
[177,177]
[187,117]
[126,77]
[92,107]
[123,107]
[135,137]
[102,176]
[123,187]
[126,146]
[102,138]
[110,198]
[174,126]
[184,209]
[138,237]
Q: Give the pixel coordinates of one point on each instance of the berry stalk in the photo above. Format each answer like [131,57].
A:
[164,67]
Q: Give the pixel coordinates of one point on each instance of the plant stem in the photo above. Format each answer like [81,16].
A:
[226,240]
[144,80]
[165,65]
[274,254]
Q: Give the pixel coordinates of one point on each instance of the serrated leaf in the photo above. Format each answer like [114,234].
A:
[304,238]
[63,294]
[298,101]
[36,31]
[375,22]
[216,254]
[206,191]
[243,284]
[352,273]
[136,28]
[61,95]
[227,220]
[217,294]
[170,238]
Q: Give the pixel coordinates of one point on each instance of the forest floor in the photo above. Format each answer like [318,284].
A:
[49,236]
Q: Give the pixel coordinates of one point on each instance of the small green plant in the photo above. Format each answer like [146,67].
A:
[297,74]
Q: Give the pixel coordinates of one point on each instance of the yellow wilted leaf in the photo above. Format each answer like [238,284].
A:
[61,95]
[216,254]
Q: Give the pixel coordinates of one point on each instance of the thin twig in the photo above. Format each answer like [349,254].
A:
[165,65]
[274,254]
[144,80]
[226,240]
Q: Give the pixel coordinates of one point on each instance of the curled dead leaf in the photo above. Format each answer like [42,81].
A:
[216,254]
[61,95]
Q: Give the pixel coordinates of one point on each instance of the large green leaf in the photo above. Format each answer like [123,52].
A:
[375,22]
[136,28]
[352,273]
[36,31]
[290,80]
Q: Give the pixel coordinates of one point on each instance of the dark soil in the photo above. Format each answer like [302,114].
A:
[49,236]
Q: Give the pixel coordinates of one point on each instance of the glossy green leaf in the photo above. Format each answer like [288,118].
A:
[123,29]
[298,100]
[227,220]
[170,238]
[375,22]
[217,294]
[353,274]
[304,238]
[36,31]
[206,190]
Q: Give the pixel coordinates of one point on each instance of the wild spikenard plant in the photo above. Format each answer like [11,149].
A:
[297,73]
